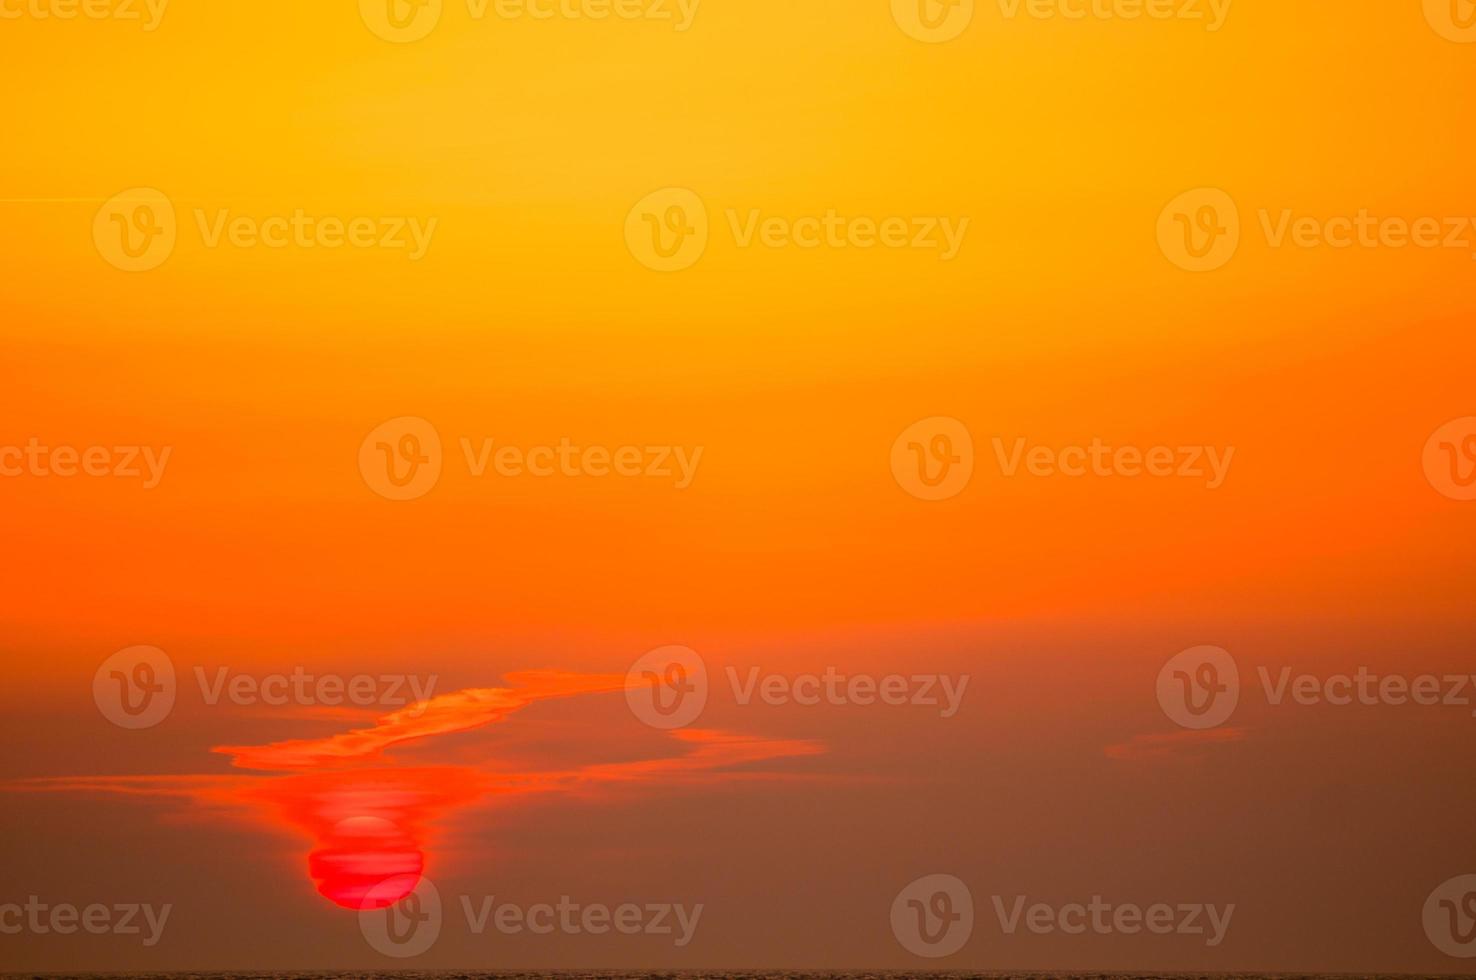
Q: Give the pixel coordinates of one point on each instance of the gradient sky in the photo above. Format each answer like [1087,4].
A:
[794,549]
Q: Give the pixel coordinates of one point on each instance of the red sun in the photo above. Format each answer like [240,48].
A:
[369,827]
[366,863]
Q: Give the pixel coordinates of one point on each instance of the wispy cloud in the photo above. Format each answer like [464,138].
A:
[456,712]
[1172,746]
[368,818]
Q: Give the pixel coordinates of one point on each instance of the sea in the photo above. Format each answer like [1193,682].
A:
[724,975]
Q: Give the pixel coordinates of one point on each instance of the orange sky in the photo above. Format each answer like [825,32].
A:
[520,148]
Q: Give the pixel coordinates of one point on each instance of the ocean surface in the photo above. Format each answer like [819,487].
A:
[727,975]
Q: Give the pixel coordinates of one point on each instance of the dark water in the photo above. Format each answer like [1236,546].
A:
[728,975]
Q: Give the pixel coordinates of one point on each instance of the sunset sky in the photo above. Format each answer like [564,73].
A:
[503,172]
